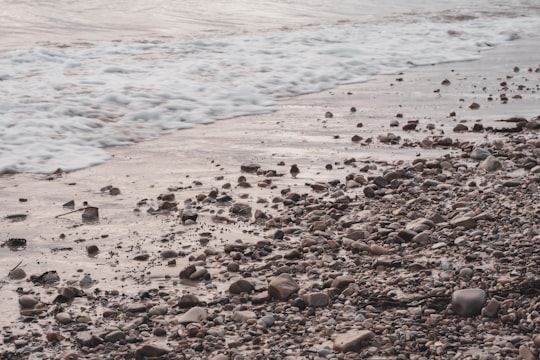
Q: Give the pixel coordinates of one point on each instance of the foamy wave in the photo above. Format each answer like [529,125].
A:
[61,107]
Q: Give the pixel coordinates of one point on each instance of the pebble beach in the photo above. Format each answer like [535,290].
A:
[410,230]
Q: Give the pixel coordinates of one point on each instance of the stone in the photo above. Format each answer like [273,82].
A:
[282,287]
[463,221]
[188,301]
[17,274]
[186,215]
[380,182]
[526,353]
[243,316]
[241,286]
[316,299]
[479,154]
[187,272]
[353,341]
[115,336]
[468,302]
[492,308]
[491,163]
[158,310]
[151,351]
[378,250]
[168,254]
[423,238]
[199,274]
[536,340]
[250,168]
[194,315]
[63,318]
[90,214]
[241,209]
[28,301]
[341,282]
[461,128]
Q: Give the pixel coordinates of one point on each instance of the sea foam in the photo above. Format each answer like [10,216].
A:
[59,107]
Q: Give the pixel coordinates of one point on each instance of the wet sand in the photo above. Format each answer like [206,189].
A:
[343,185]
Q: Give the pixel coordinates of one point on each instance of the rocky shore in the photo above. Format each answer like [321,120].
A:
[430,254]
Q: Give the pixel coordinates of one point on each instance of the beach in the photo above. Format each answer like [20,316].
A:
[411,230]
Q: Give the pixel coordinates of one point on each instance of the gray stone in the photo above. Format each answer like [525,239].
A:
[536,340]
[468,302]
[316,299]
[158,310]
[422,238]
[492,308]
[354,340]
[194,315]
[464,221]
[341,282]
[243,316]
[241,209]
[282,287]
[491,163]
[28,301]
[63,318]
[17,274]
[115,336]
[199,274]
[479,154]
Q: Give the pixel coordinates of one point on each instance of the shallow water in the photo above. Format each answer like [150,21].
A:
[81,76]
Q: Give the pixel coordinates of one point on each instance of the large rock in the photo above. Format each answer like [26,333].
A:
[491,163]
[479,154]
[194,315]
[241,209]
[468,302]
[354,340]
[282,287]
[241,286]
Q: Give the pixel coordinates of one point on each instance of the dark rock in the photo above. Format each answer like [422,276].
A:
[241,209]
[90,214]
[250,168]
[468,302]
[241,286]
[151,351]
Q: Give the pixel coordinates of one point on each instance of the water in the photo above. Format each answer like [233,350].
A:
[78,76]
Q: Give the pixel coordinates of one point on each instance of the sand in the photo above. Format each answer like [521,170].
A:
[312,131]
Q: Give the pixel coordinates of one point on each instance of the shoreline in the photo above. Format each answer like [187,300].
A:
[191,163]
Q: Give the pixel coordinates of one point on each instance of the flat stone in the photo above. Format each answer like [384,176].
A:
[194,315]
[316,299]
[378,250]
[151,351]
[158,310]
[479,154]
[282,287]
[468,302]
[353,341]
[464,221]
[341,282]
[115,336]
